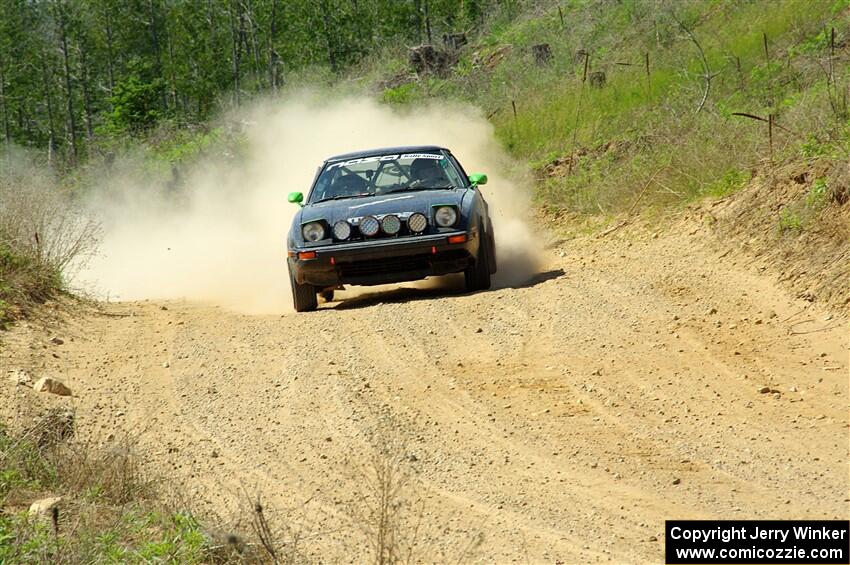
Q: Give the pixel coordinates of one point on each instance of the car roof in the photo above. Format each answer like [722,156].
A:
[385,151]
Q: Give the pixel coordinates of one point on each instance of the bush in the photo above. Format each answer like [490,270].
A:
[790,221]
[109,512]
[136,101]
[43,238]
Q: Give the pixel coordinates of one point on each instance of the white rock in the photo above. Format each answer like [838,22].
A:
[44,505]
[51,385]
[21,377]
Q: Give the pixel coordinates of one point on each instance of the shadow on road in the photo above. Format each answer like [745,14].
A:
[431,289]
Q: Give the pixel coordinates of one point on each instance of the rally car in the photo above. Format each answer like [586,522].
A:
[386,216]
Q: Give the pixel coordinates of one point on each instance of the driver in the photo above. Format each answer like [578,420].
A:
[349,185]
[427,173]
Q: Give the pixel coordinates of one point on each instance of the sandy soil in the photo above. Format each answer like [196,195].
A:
[562,421]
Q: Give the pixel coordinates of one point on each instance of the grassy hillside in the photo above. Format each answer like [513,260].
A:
[596,148]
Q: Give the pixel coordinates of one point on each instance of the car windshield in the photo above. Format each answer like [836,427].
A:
[384,174]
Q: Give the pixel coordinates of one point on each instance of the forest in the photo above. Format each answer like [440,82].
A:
[74,70]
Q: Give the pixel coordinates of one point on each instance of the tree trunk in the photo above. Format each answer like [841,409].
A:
[172,79]
[417,6]
[273,56]
[235,51]
[6,131]
[69,93]
[110,56]
[326,22]
[156,46]
[251,41]
[84,71]
[428,22]
[51,144]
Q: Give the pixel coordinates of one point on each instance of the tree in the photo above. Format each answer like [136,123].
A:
[136,100]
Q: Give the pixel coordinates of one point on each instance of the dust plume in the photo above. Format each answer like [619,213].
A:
[221,236]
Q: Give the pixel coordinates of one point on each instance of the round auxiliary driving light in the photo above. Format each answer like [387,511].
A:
[390,224]
[445,216]
[369,226]
[417,223]
[342,230]
[314,231]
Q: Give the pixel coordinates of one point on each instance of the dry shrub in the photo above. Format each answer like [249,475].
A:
[260,533]
[108,505]
[44,236]
[389,510]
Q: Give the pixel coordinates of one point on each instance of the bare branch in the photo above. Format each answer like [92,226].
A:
[707,74]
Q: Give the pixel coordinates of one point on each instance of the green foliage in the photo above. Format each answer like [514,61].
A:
[730,182]
[790,221]
[639,128]
[24,279]
[182,541]
[106,530]
[186,145]
[797,215]
[135,103]
[817,196]
[403,94]
[5,312]
[71,72]
[814,45]
[24,466]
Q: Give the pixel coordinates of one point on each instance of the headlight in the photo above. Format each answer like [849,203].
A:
[390,224]
[342,229]
[369,226]
[417,223]
[314,231]
[445,216]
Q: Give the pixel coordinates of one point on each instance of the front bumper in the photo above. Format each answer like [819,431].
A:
[383,261]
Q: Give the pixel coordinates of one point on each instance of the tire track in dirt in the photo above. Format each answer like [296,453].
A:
[563,420]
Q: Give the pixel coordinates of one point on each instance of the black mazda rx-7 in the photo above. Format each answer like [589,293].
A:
[385,216]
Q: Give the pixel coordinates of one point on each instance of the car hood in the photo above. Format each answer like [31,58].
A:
[401,202]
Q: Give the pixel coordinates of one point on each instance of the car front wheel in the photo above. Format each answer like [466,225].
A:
[304,296]
[478,275]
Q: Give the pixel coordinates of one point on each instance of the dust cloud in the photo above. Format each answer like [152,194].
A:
[221,236]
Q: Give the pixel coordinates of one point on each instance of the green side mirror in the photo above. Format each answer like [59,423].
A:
[478,178]
[295,198]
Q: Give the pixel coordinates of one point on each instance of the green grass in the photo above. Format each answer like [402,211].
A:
[790,221]
[653,120]
[109,514]
[817,195]
[729,183]
[24,281]
[796,216]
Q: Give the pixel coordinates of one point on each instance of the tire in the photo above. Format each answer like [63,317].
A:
[478,275]
[304,297]
[491,259]
[327,294]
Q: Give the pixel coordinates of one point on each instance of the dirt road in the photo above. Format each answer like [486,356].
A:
[560,421]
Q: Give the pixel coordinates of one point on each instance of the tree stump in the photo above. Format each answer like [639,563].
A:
[454,40]
[580,56]
[542,53]
[427,59]
[424,58]
[597,79]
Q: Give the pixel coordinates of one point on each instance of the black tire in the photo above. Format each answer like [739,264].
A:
[491,259]
[478,275]
[304,297]
[327,294]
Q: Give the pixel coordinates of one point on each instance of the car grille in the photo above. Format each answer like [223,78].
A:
[385,265]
